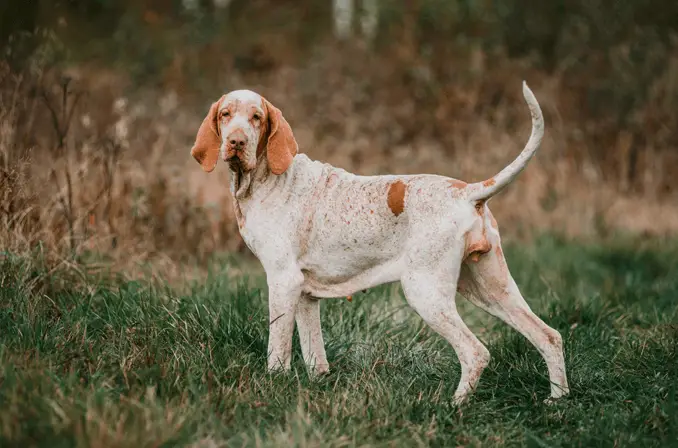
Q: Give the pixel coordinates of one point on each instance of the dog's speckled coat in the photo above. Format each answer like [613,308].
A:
[321,232]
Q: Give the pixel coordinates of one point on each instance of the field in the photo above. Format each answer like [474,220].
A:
[132,314]
[87,362]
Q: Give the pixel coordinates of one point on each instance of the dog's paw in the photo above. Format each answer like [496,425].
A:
[460,400]
[557,395]
[320,371]
[550,401]
[277,369]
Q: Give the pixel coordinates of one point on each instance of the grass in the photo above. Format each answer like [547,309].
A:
[133,364]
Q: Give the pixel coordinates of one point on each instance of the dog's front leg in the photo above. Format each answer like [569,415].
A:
[311,335]
[284,290]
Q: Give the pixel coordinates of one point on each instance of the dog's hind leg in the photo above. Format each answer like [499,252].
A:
[431,293]
[488,284]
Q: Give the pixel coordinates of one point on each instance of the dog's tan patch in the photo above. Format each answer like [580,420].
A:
[489,182]
[478,248]
[477,245]
[396,197]
[457,184]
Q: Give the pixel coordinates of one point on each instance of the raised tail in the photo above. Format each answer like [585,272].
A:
[482,191]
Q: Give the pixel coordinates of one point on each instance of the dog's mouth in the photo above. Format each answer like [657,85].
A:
[234,162]
[239,168]
[237,161]
[238,171]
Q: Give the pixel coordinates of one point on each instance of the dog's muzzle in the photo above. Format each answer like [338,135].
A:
[236,142]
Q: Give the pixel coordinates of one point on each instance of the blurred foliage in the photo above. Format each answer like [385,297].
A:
[617,48]
[434,90]
[551,30]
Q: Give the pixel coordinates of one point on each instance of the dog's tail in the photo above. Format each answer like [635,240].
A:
[483,191]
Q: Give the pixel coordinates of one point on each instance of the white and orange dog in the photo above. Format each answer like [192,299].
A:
[322,232]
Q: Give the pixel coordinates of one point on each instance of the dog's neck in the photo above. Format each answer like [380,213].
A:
[245,185]
[243,182]
[260,185]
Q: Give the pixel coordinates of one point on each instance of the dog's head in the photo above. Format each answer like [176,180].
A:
[241,127]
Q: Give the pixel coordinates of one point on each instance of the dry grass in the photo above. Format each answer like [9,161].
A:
[90,183]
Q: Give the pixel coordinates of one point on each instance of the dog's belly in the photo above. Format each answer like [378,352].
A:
[336,278]
[344,262]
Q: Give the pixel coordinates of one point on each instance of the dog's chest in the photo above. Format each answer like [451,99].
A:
[249,239]
[271,233]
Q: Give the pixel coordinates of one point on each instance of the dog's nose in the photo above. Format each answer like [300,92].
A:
[237,140]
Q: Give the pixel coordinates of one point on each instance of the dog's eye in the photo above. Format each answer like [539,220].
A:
[225,113]
[256,117]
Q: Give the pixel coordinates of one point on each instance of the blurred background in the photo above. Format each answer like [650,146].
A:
[100,101]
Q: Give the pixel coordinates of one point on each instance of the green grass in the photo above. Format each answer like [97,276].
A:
[129,364]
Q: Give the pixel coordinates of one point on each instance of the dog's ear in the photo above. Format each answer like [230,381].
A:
[207,142]
[281,145]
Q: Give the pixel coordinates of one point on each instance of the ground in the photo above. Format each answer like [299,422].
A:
[92,363]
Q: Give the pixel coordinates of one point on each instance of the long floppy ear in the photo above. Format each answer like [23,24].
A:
[281,146]
[207,142]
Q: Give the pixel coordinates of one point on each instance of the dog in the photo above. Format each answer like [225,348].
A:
[322,232]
